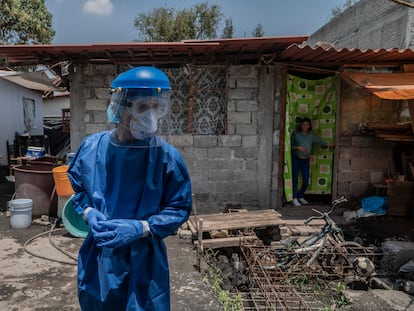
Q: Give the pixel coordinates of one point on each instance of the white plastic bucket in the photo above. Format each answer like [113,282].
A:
[20,213]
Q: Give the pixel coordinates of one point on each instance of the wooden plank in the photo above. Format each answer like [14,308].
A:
[253,215]
[249,215]
[241,224]
[294,230]
[306,230]
[301,222]
[225,242]
[396,137]
[191,227]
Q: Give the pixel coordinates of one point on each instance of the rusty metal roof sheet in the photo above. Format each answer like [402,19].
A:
[235,50]
[322,56]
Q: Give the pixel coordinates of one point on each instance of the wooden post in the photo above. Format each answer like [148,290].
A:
[200,242]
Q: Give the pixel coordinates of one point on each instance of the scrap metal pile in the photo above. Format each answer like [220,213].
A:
[277,285]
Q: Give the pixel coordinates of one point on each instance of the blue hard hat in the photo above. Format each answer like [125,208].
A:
[144,77]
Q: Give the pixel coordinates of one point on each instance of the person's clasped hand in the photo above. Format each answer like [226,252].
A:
[92,217]
[120,232]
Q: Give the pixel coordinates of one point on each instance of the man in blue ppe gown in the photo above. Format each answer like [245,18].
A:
[133,189]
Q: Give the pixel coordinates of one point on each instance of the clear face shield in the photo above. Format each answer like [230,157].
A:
[141,115]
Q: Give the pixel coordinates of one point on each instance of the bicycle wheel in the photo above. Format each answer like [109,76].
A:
[336,261]
[353,249]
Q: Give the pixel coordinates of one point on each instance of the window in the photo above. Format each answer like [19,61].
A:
[198,101]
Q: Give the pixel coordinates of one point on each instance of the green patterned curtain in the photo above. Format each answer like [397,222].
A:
[315,99]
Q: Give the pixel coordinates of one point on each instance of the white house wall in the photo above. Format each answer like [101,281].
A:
[12,118]
[52,107]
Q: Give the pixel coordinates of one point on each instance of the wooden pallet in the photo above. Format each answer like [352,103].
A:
[237,220]
[244,221]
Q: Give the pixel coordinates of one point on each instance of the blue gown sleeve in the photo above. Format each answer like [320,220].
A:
[80,199]
[177,199]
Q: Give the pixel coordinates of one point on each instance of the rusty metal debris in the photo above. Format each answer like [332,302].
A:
[293,286]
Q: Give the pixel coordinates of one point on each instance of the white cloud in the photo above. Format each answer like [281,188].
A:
[99,7]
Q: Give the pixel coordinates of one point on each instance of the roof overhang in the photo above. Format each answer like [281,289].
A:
[394,86]
[320,56]
[36,80]
[192,51]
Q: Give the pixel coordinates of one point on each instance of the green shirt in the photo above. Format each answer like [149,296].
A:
[305,140]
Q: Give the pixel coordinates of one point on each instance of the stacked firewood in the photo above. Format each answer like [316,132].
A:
[396,132]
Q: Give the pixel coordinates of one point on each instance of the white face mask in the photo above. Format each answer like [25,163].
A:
[144,125]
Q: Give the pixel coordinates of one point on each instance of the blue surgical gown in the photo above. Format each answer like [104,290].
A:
[129,182]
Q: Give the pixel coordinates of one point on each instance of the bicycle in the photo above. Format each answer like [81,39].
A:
[325,252]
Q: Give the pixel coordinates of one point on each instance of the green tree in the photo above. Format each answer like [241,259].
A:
[258,31]
[228,30]
[167,24]
[338,9]
[25,22]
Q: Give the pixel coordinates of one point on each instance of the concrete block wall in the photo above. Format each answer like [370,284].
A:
[234,168]
[89,99]
[358,157]
[369,24]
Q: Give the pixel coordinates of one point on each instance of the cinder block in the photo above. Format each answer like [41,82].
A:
[243,71]
[276,138]
[102,93]
[98,116]
[343,187]
[230,140]
[96,104]
[350,176]
[205,141]
[219,153]
[221,175]
[181,140]
[245,153]
[246,129]
[247,82]
[239,117]
[91,128]
[247,105]
[249,141]
[358,188]
[244,94]
[231,105]
[363,141]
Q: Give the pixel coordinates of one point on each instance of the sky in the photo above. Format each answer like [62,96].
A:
[111,21]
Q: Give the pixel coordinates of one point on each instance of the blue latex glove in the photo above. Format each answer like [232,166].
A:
[93,217]
[120,232]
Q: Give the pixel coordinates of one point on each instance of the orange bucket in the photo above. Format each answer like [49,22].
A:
[62,183]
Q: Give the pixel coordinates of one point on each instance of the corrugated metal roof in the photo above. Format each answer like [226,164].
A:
[211,51]
[322,56]
[236,50]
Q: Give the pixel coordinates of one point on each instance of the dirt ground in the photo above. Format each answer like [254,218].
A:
[45,278]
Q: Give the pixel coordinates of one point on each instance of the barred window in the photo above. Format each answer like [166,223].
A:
[198,99]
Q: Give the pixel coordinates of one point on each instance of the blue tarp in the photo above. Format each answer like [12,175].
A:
[374,204]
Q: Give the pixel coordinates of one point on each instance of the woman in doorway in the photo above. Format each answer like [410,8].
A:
[302,141]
